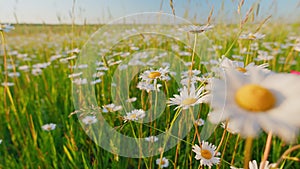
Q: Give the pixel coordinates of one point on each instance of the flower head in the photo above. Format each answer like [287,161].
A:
[163,163]
[6,27]
[151,139]
[252,36]
[188,97]
[49,127]
[89,120]
[206,154]
[135,115]
[153,75]
[257,101]
[196,29]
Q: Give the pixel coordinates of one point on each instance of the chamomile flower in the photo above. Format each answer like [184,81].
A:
[253,165]
[163,163]
[111,108]
[199,122]
[89,120]
[190,77]
[264,56]
[130,100]
[148,87]
[252,36]
[49,127]
[188,98]
[135,115]
[206,154]
[6,27]
[239,66]
[257,101]
[151,139]
[196,29]
[153,75]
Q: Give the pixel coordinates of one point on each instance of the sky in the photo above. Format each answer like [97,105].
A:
[104,11]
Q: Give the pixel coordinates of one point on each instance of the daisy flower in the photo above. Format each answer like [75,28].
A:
[89,120]
[199,122]
[151,139]
[111,108]
[253,165]
[130,100]
[134,115]
[206,154]
[196,29]
[6,27]
[153,75]
[163,163]
[148,87]
[188,97]
[49,127]
[264,56]
[239,66]
[257,102]
[252,36]
[190,77]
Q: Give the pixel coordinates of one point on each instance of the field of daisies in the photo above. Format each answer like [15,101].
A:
[236,105]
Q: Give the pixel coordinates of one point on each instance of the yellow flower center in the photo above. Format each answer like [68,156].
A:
[255,98]
[154,75]
[241,69]
[133,116]
[252,36]
[206,154]
[189,101]
[162,162]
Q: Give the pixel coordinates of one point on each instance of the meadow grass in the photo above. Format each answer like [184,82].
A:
[35,100]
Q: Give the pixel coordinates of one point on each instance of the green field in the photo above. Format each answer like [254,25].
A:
[39,65]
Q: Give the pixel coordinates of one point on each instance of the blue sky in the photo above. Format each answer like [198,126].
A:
[103,11]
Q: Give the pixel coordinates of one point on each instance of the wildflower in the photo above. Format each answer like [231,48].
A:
[253,165]
[24,68]
[0,141]
[190,77]
[251,36]
[163,163]
[130,100]
[257,101]
[199,122]
[264,56]
[95,81]
[148,87]
[239,66]
[135,115]
[49,127]
[111,108]
[196,29]
[89,120]
[206,154]
[80,81]
[7,84]
[75,75]
[151,139]
[153,75]
[6,27]
[36,71]
[188,97]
